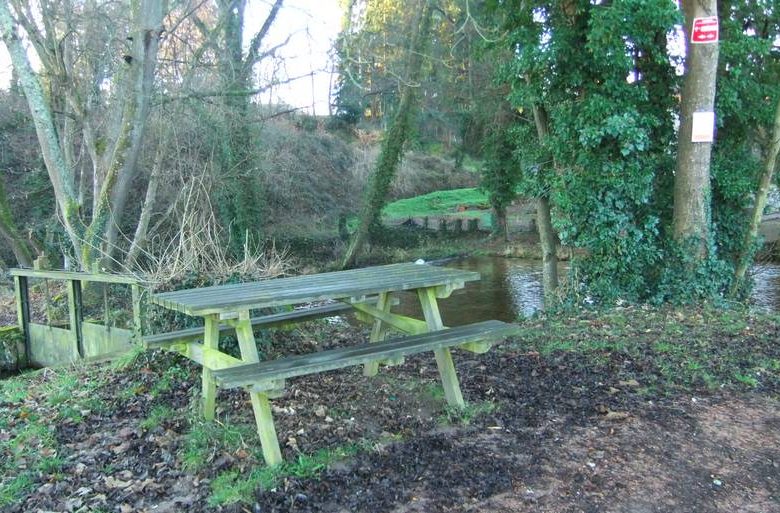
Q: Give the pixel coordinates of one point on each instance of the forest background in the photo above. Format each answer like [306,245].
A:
[140,142]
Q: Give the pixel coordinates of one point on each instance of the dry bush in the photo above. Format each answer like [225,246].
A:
[199,245]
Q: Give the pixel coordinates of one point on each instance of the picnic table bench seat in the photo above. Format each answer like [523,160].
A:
[163,340]
[270,372]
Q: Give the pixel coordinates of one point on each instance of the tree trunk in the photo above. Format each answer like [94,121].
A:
[548,239]
[9,232]
[500,228]
[141,230]
[123,167]
[113,173]
[60,174]
[692,179]
[765,181]
[392,145]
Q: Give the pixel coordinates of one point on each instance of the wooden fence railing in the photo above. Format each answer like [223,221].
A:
[57,343]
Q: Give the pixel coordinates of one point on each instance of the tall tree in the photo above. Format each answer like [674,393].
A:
[757,212]
[692,188]
[595,88]
[393,142]
[70,81]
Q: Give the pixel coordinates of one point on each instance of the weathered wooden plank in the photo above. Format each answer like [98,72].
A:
[260,406]
[378,332]
[449,378]
[402,323]
[265,321]
[137,316]
[208,385]
[206,356]
[371,274]
[300,365]
[476,347]
[265,428]
[102,341]
[68,275]
[75,313]
[51,346]
[22,292]
[299,289]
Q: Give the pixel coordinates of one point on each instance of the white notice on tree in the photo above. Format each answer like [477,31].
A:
[703,127]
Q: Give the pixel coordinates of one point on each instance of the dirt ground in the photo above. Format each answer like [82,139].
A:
[545,433]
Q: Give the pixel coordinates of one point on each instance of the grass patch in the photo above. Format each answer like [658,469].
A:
[465,416]
[665,349]
[236,487]
[207,438]
[437,203]
[158,415]
[13,489]
[14,390]
[173,374]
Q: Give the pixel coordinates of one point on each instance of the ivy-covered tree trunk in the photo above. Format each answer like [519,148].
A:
[692,194]
[548,239]
[9,232]
[392,145]
[500,226]
[762,192]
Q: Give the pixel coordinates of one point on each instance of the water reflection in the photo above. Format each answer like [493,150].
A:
[512,288]
[766,287]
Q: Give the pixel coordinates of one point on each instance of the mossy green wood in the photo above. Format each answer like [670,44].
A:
[260,405]
[22,294]
[266,321]
[101,342]
[80,276]
[51,346]
[136,295]
[449,378]
[322,361]
[75,314]
[208,385]
[378,332]
[401,323]
[206,357]
[341,285]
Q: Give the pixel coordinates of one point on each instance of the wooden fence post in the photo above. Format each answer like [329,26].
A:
[137,316]
[23,311]
[76,313]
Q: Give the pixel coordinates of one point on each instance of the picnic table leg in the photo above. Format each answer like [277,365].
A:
[378,332]
[449,378]
[260,405]
[208,385]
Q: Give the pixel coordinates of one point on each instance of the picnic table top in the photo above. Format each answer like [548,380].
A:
[221,299]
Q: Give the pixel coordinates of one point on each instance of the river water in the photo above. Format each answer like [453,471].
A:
[512,288]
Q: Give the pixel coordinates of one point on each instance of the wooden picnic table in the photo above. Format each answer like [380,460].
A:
[368,291]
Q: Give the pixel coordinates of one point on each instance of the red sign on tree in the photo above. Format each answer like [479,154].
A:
[705,30]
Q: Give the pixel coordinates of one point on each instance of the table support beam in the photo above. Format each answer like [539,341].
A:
[449,378]
[265,428]
[378,331]
[260,405]
[407,325]
[208,385]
